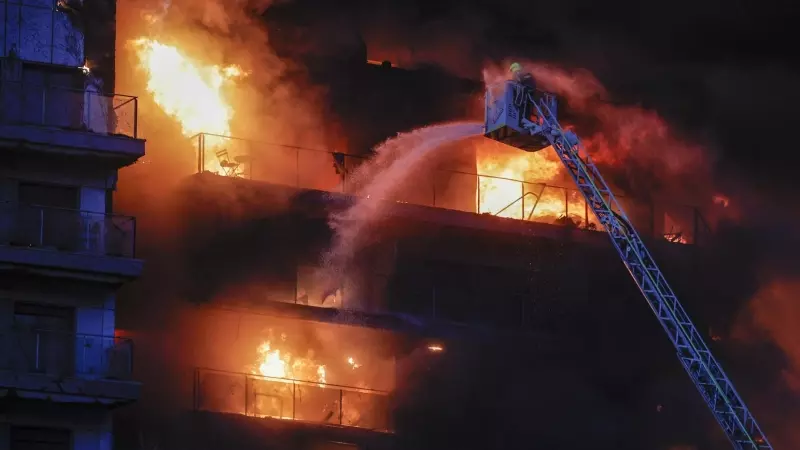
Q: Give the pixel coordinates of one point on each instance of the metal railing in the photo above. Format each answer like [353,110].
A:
[68,230]
[70,109]
[66,354]
[289,399]
[505,197]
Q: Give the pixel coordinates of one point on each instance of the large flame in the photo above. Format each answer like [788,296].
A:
[190,92]
[290,376]
[273,364]
[512,185]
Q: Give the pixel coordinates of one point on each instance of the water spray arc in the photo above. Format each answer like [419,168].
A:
[521,116]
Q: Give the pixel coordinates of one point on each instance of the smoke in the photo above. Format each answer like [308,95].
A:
[453,40]
[274,102]
[771,316]
[775,310]
[640,151]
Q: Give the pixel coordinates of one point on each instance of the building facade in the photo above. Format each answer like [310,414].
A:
[454,327]
[64,254]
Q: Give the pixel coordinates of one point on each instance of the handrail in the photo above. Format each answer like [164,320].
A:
[61,208]
[290,399]
[69,108]
[304,179]
[298,381]
[64,353]
[64,229]
[517,200]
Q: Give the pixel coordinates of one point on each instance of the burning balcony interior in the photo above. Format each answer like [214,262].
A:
[271,367]
[507,183]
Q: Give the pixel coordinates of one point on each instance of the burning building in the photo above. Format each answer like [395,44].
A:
[459,321]
[478,279]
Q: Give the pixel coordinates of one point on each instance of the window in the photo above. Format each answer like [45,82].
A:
[49,195]
[30,438]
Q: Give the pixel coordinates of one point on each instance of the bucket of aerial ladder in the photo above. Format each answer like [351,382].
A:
[514,115]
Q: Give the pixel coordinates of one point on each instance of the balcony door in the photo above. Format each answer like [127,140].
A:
[48,218]
[45,338]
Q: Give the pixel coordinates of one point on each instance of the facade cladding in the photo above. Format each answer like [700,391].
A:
[453,328]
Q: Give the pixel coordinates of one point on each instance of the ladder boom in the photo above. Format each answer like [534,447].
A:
[715,387]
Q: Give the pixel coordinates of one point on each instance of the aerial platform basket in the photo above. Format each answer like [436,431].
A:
[511,118]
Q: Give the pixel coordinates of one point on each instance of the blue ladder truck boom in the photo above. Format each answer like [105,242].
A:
[521,116]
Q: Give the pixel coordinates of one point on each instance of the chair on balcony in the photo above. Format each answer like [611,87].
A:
[230,167]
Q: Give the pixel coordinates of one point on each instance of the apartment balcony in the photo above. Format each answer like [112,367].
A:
[66,368]
[291,400]
[456,190]
[37,118]
[74,243]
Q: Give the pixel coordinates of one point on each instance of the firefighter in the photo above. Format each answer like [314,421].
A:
[526,80]
[522,77]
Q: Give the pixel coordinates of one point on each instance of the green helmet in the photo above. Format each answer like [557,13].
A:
[515,67]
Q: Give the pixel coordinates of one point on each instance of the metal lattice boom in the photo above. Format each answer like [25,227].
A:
[716,388]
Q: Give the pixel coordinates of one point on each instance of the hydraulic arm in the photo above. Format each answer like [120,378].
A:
[524,118]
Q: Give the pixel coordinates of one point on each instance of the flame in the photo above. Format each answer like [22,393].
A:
[511,184]
[289,377]
[271,363]
[672,231]
[436,348]
[192,93]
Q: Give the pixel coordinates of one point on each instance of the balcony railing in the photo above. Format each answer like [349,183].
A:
[66,355]
[67,230]
[288,399]
[447,189]
[69,109]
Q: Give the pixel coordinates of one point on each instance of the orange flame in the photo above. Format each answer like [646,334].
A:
[271,363]
[511,184]
[290,376]
[190,92]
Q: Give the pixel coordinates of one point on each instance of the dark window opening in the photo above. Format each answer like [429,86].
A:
[32,438]
[49,195]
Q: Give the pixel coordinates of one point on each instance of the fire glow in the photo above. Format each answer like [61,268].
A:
[287,367]
[189,91]
[292,378]
[510,185]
